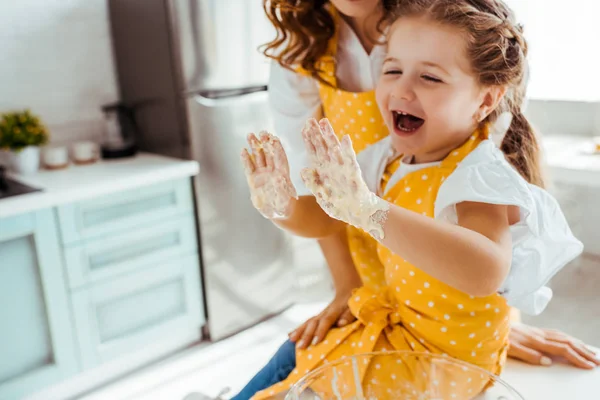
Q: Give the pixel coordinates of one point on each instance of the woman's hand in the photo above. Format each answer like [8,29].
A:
[536,346]
[315,329]
[335,179]
[268,175]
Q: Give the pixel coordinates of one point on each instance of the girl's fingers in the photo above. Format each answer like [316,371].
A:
[310,148]
[247,162]
[347,149]
[257,152]
[267,145]
[333,144]
[279,156]
[316,138]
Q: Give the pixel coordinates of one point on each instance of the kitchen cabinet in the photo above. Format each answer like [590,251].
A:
[127,315]
[94,284]
[37,336]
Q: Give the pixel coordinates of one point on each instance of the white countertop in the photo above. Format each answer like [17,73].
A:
[570,159]
[77,183]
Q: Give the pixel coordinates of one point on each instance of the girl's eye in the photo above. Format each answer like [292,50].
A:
[431,79]
[393,72]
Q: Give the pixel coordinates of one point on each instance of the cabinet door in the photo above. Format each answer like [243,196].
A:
[36,339]
[108,258]
[126,210]
[127,314]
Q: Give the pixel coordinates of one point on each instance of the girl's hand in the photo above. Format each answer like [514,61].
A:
[268,175]
[336,181]
[536,346]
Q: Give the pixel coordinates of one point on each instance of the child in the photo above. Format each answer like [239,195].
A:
[341,66]
[450,218]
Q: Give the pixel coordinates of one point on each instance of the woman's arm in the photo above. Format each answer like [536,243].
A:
[345,279]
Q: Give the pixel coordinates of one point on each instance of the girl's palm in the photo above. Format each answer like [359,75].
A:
[268,175]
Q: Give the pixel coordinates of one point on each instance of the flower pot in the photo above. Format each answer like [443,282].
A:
[26,161]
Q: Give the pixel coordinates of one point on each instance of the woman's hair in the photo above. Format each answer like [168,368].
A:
[304,29]
[498,54]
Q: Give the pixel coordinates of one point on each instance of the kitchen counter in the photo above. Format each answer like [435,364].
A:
[570,159]
[77,183]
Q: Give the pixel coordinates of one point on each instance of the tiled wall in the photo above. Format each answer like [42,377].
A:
[56,59]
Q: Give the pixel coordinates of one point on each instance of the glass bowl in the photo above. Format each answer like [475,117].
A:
[401,375]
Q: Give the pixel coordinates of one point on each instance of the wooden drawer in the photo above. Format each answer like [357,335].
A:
[125,210]
[107,258]
[125,315]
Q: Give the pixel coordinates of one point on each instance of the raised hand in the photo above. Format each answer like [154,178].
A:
[335,179]
[268,175]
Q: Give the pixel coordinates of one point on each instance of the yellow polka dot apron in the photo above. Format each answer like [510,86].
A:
[352,113]
[412,311]
[355,114]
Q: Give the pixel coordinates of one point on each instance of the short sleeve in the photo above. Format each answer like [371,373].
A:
[542,240]
[293,99]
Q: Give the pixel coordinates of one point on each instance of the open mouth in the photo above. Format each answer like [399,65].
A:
[407,123]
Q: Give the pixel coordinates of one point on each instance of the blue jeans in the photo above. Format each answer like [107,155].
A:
[277,369]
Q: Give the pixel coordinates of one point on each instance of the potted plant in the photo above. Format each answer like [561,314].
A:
[21,135]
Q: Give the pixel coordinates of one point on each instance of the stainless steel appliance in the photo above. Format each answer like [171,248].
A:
[195,65]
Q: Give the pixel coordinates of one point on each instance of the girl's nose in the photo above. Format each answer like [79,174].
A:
[403,90]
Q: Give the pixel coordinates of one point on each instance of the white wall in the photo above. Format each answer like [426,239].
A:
[56,59]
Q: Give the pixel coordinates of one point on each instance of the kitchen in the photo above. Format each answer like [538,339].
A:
[128,274]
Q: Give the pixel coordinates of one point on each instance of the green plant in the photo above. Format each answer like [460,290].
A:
[21,129]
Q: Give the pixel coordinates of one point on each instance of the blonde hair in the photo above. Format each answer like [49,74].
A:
[497,51]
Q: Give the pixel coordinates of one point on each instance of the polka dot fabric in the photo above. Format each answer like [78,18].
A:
[353,114]
[357,115]
[407,309]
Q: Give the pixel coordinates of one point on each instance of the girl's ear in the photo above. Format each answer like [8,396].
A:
[493,95]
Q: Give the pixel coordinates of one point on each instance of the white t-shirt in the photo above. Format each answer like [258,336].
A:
[542,240]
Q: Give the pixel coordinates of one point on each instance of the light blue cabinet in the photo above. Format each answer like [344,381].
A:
[37,345]
[132,313]
[117,254]
[108,281]
[122,211]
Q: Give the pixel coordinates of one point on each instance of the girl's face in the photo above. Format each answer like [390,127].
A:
[427,92]
[356,8]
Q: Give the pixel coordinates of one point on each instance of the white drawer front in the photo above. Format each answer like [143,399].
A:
[121,211]
[110,257]
[125,315]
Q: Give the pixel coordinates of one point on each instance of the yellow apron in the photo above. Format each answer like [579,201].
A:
[413,311]
[357,115]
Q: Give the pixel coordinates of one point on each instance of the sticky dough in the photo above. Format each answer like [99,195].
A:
[343,194]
